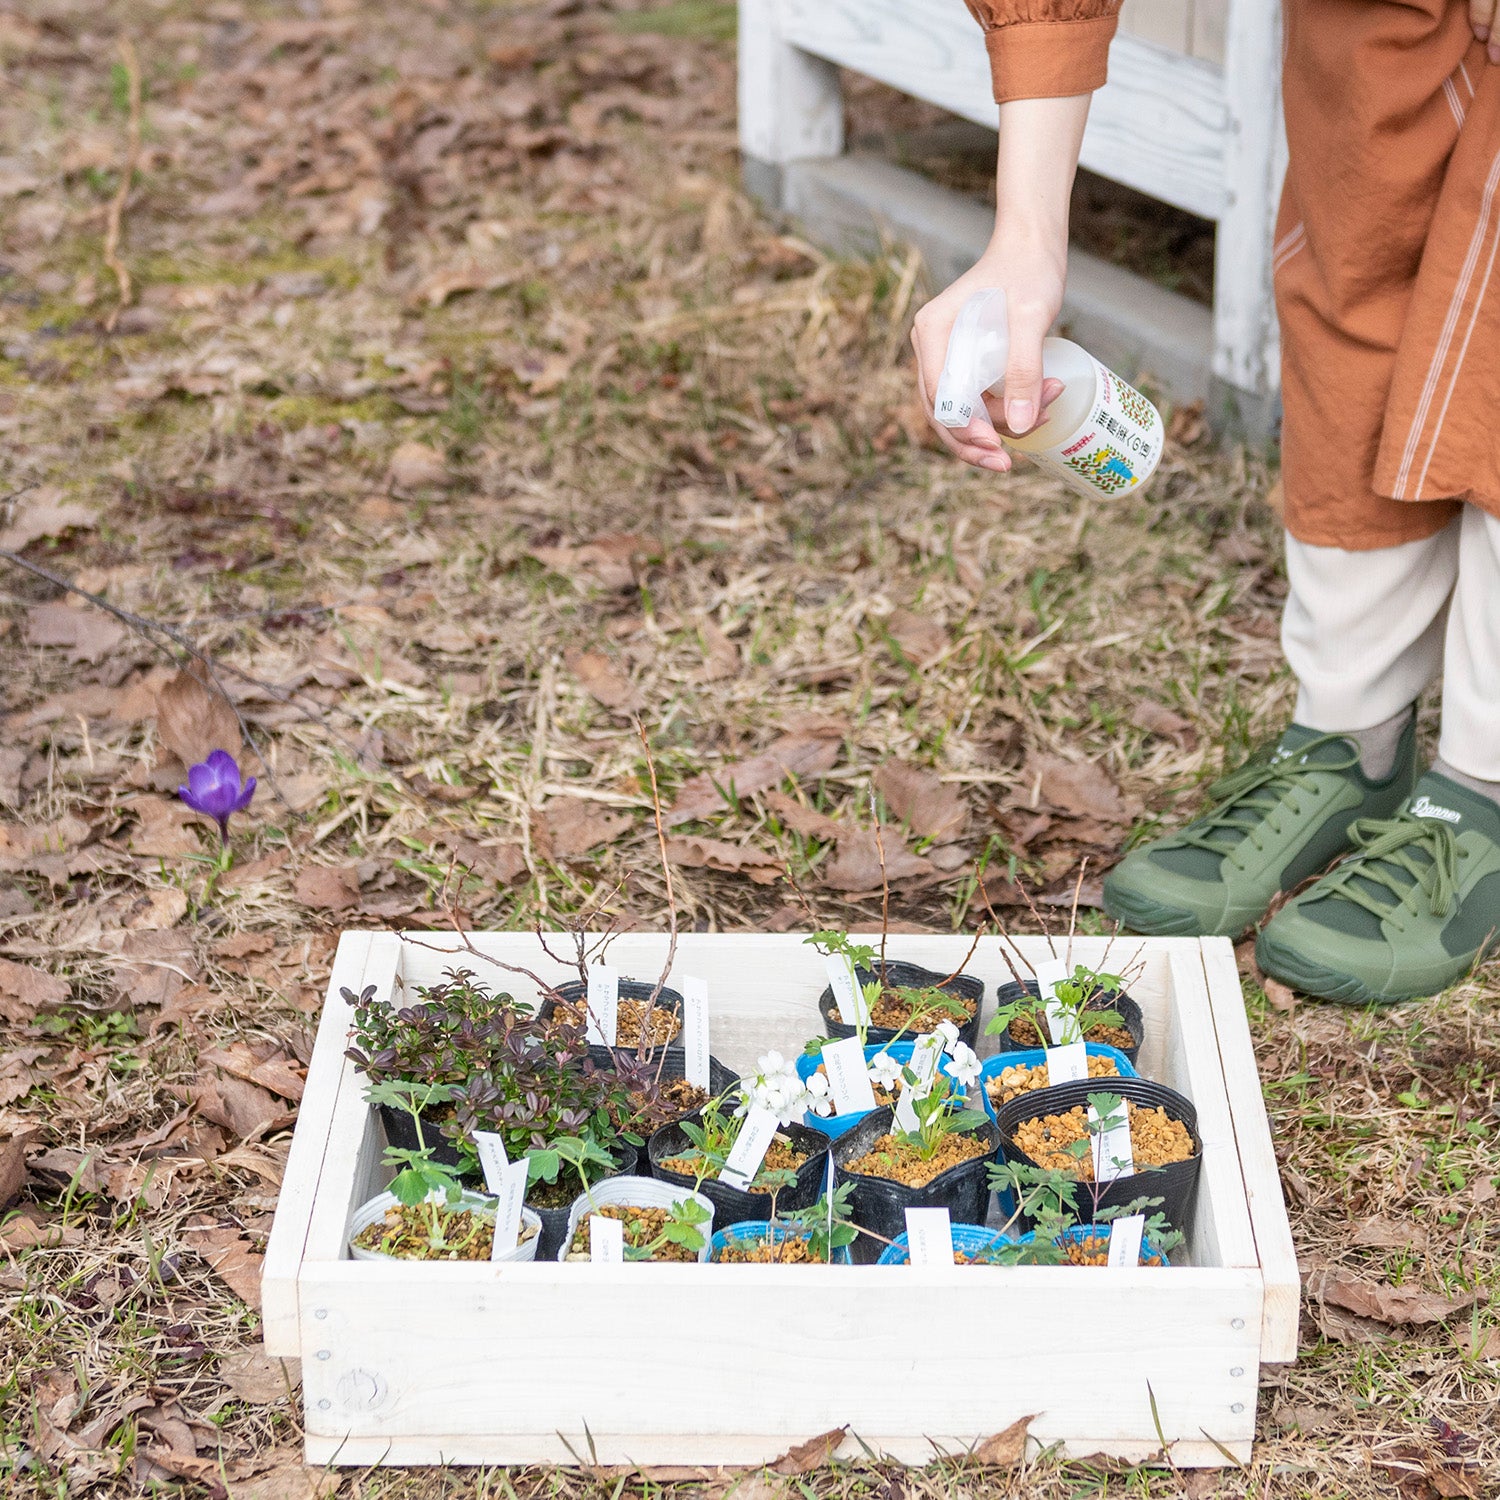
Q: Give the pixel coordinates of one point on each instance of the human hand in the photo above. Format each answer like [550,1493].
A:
[1484,17]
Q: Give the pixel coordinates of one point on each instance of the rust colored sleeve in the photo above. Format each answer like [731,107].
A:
[1042,49]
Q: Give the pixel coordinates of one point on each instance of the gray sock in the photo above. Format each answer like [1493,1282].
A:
[1378,744]
[1490,789]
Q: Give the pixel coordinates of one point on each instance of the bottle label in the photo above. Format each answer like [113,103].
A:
[1115,449]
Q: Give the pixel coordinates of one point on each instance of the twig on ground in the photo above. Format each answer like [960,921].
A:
[115,219]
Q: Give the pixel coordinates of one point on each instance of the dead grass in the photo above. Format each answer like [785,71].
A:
[669,463]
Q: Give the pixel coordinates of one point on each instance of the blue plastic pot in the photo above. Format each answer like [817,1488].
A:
[966,1237]
[758,1229]
[833,1126]
[994,1066]
[1080,1232]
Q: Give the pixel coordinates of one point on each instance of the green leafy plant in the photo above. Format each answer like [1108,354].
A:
[545,1163]
[1078,997]
[712,1138]
[927,1005]
[826,1226]
[939,1115]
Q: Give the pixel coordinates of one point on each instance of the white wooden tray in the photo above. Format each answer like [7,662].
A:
[730,1364]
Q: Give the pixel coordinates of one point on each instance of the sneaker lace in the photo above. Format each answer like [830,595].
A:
[1247,799]
[1422,850]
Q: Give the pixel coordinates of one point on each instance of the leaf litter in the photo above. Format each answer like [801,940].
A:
[467,408]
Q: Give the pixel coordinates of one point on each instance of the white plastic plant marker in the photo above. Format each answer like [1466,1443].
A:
[906,1111]
[1125,1240]
[1050,973]
[511,1193]
[929,1237]
[1112,1154]
[695,1032]
[925,1052]
[750,1148]
[606,1240]
[603,1006]
[848,1077]
[848,994]
[1067,1064]
[492,1159]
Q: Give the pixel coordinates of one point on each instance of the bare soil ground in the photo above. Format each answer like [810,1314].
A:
[463,409]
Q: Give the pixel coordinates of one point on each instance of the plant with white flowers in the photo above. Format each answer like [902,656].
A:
[776,1086]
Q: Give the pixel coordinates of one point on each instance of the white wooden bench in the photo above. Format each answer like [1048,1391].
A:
[1190,116]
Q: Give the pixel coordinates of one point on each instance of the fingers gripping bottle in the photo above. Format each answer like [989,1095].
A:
[1101,437]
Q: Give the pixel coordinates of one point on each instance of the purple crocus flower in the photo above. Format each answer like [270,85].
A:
[214,788]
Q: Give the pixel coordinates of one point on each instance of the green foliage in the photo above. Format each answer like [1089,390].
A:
[1080,992]
[938,1113]
[825,1226]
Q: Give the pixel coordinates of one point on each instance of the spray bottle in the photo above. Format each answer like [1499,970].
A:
[1101,437]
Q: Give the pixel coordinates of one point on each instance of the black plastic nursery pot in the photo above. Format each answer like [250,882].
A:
[732,1203]
[401,1131]
[1176,1183]
[879,1204]
[1129,1013]
[575,991]
[914,977]
[555,1220]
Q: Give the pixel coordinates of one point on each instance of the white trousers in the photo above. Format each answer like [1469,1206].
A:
[1365,632]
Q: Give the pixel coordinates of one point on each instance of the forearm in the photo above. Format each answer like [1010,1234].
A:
[1036,163]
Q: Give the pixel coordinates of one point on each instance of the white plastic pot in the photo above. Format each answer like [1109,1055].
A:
[639,1192]
[375,1209]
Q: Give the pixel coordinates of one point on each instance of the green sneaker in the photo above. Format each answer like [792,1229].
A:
[1275,822]
[1408,914]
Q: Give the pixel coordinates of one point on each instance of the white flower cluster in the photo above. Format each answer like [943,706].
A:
[963,1060]
[775,1086]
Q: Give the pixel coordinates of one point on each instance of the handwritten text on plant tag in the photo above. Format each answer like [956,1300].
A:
[1051,972]
[511,1191]
[749,1148]
[695,1031]
[1067,1063]
[925,1052]
[606,1239]
[604,1006]
[1125,1240]
[929,1236]
[848,994]
[492,1159]
[1112,1154]
[848,1077]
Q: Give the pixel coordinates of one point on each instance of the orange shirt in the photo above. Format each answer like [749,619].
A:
[1042,49]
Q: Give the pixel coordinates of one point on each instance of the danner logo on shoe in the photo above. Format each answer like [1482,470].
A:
[1425,807]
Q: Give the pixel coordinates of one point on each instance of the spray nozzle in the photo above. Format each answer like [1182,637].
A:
[978,348]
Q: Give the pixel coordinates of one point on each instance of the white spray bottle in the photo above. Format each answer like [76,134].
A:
[1101,437]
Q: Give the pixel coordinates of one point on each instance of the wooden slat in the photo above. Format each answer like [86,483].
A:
[294,1204]
[1159,125]
[509,1351]
[1210,26]
[1252,1130]
[790,103]
[1167,23]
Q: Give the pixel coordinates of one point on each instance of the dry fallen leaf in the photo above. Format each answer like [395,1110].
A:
[603,681]
[239,1106]
[791,755]
[921,639]
[12,1170]
[1082,788]
[1151,716]
[718,854]
[795,815]
[193,719]
[1390,1234]
[568,827]
[1479,1343]
[1375,1300]
[803,1458]
[44,513]
[232,1260]
[24,990]
[289,1479]
[607,560]
[416,466]
[932,808]
[856,867]
[88,635]
[165,906]
[721,657]
[1004,1449]
[253,1375]
[1281,996]
[327,887]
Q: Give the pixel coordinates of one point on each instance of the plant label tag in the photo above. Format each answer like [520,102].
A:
[492,1159]
[508,1214]
[1050,973]
[606,1240]
[848,1077]
[604,1006]
[750,1148]
[695,1032]
[906,1112]
[925,1052]
[1112,1154]
[929,1237]
[1067,1063]
[848,993]
[1125,1240]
